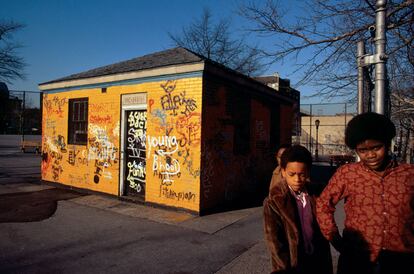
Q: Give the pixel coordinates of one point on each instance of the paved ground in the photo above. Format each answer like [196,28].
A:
[95,234]
[48,230]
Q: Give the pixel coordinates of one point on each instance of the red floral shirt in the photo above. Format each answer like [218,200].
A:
[380,208]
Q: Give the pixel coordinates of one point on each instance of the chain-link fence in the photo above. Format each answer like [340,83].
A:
[322,129]
[21,112]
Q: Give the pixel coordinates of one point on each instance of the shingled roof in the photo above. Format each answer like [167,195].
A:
[175,56]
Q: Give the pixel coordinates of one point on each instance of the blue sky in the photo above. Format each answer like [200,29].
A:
[67,37]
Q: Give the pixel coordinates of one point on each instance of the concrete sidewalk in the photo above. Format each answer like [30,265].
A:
[225,242]
[232,241]
[253,260]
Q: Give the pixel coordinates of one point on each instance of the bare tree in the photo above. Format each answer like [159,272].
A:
[11,64]
[403,105]
[323,41]
[402,101]
[213,40]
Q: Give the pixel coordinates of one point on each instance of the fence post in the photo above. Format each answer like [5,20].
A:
[345,118]
[22,116]
[310,128]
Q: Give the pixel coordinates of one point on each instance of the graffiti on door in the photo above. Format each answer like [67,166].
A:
[135,151]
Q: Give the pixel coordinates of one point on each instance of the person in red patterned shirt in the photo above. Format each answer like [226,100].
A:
[378,194]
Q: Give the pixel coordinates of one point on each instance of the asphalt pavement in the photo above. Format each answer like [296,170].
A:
[44,229]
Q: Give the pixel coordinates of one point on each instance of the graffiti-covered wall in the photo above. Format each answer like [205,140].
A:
[191,143]
[173,144]
[237,158]
[172,141]
[94,165]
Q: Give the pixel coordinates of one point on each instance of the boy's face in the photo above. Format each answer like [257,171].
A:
[296,175]
[372,153]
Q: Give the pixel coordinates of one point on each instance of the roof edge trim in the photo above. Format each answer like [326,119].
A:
[170,70]
[129,82]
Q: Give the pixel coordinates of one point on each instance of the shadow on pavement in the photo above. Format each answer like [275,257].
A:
[32,206]
[320,176]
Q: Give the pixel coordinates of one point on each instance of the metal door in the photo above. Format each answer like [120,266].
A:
[135,159]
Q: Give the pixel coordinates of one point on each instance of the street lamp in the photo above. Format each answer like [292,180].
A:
[317,122]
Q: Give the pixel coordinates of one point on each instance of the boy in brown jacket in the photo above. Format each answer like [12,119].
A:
[292,234]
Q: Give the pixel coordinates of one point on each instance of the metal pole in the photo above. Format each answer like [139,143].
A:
[346,111]
[41,113]
[310,128]
[22,116]
[360,54]
[380,66]
[317,144]
[317,123]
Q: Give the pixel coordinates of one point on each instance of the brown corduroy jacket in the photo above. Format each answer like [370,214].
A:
[284,238]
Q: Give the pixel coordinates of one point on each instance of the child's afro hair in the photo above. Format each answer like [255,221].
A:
[296,153]
[369,126]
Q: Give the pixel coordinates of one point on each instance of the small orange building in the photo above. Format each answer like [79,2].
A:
[170,128]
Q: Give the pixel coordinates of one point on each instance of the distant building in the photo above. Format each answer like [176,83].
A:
[330,133]
[283,86]
[170,128]
[277,83]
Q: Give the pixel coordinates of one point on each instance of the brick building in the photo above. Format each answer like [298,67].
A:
[170,128]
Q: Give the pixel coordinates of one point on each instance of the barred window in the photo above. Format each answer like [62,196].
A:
[78,121]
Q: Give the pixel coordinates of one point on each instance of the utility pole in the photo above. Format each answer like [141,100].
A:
[361,77]
[310,128]
[380,65]
[378,59]
[23,109]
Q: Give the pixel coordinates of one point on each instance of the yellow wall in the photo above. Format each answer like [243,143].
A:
[173,144]
[77,165]
[173,141]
